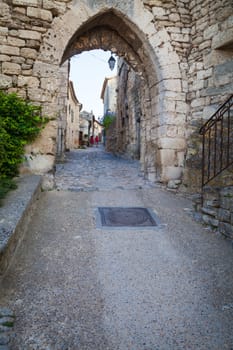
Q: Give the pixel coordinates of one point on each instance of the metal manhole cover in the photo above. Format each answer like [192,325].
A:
[126,217]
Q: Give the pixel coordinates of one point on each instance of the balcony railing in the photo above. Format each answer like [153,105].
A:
[217,147]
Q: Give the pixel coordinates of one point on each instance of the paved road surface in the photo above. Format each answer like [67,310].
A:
[76,286]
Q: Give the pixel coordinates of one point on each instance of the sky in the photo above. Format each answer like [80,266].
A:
[88,71]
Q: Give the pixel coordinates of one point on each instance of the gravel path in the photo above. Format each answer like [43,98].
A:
[75,286]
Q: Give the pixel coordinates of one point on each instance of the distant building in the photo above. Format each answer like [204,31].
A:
[89,126]
[109,95]
[85,127]
[73,115]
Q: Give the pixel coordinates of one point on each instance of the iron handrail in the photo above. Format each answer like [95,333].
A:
[217,115]
[217,143]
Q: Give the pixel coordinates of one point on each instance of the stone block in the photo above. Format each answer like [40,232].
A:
[172,131]
[159,38]
[167,105]
[39,95]
[27,72]
[48,182]
[38,13]
[167,157]
[29,34]
[173,184]
[9,50]
[49,84]
[198,102]
[34,3]
[59,7]
[209,211]
[209,220]
[210,31]
[3,30]
[5,13]
[213,203]
[17,59]
[159,12]
[45,70]
[170,71]
[224,215]
[174,17]
[11,68]
[183,38]
[5,81]
[3,40]
[172,143]
[171,173]
[226,229]
[181,107]
[204,73]
[13,41]
[38,164]
[28,81]
[4,58]
[222,39]
[226,202]
[28,53]
[171,84]
[20,10]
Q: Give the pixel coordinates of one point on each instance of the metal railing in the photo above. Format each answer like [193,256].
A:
[217,146]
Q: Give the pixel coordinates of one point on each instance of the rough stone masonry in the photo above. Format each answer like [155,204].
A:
[181,50]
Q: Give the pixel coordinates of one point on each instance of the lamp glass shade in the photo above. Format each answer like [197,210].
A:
[111,62]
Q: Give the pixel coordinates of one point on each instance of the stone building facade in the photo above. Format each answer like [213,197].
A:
[72,122]
[182,51]
[85,127]
[128,111]
[109,95]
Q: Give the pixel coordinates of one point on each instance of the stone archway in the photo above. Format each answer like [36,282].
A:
[129,31]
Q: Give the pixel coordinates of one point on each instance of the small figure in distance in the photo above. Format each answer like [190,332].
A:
[92,140]
[96,140]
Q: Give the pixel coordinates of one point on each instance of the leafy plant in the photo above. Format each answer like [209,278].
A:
[20,123]
[108,120]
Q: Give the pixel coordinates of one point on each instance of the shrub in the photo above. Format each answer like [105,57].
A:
[20,123]
[108,120]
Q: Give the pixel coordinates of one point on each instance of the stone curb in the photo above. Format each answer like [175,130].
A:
[15,215]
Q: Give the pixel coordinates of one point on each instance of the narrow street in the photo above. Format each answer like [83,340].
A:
[75,285]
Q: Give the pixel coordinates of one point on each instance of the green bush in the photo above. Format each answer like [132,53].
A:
[108,120]
[20,123]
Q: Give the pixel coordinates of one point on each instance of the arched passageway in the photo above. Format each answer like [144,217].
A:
[109,31]
[130,34]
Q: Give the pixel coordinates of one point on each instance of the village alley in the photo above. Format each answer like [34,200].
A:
[75,284]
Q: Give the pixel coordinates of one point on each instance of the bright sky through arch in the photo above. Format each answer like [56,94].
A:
[88,71]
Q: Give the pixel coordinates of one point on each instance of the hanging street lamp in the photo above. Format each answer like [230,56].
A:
[111,62]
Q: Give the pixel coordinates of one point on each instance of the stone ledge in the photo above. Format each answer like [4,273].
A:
[15,216]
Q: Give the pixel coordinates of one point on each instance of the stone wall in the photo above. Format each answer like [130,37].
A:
[181,50]
[216,209]
[23,23]
[210,73]
[72,127]
[128,112]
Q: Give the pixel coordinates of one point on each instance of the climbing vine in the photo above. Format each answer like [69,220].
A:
[20,123]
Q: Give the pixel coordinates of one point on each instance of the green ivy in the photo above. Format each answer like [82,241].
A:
[20,123]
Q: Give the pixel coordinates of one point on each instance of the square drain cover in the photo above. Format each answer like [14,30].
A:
[126,217]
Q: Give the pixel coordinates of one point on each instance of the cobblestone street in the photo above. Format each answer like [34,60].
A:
[76,286]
